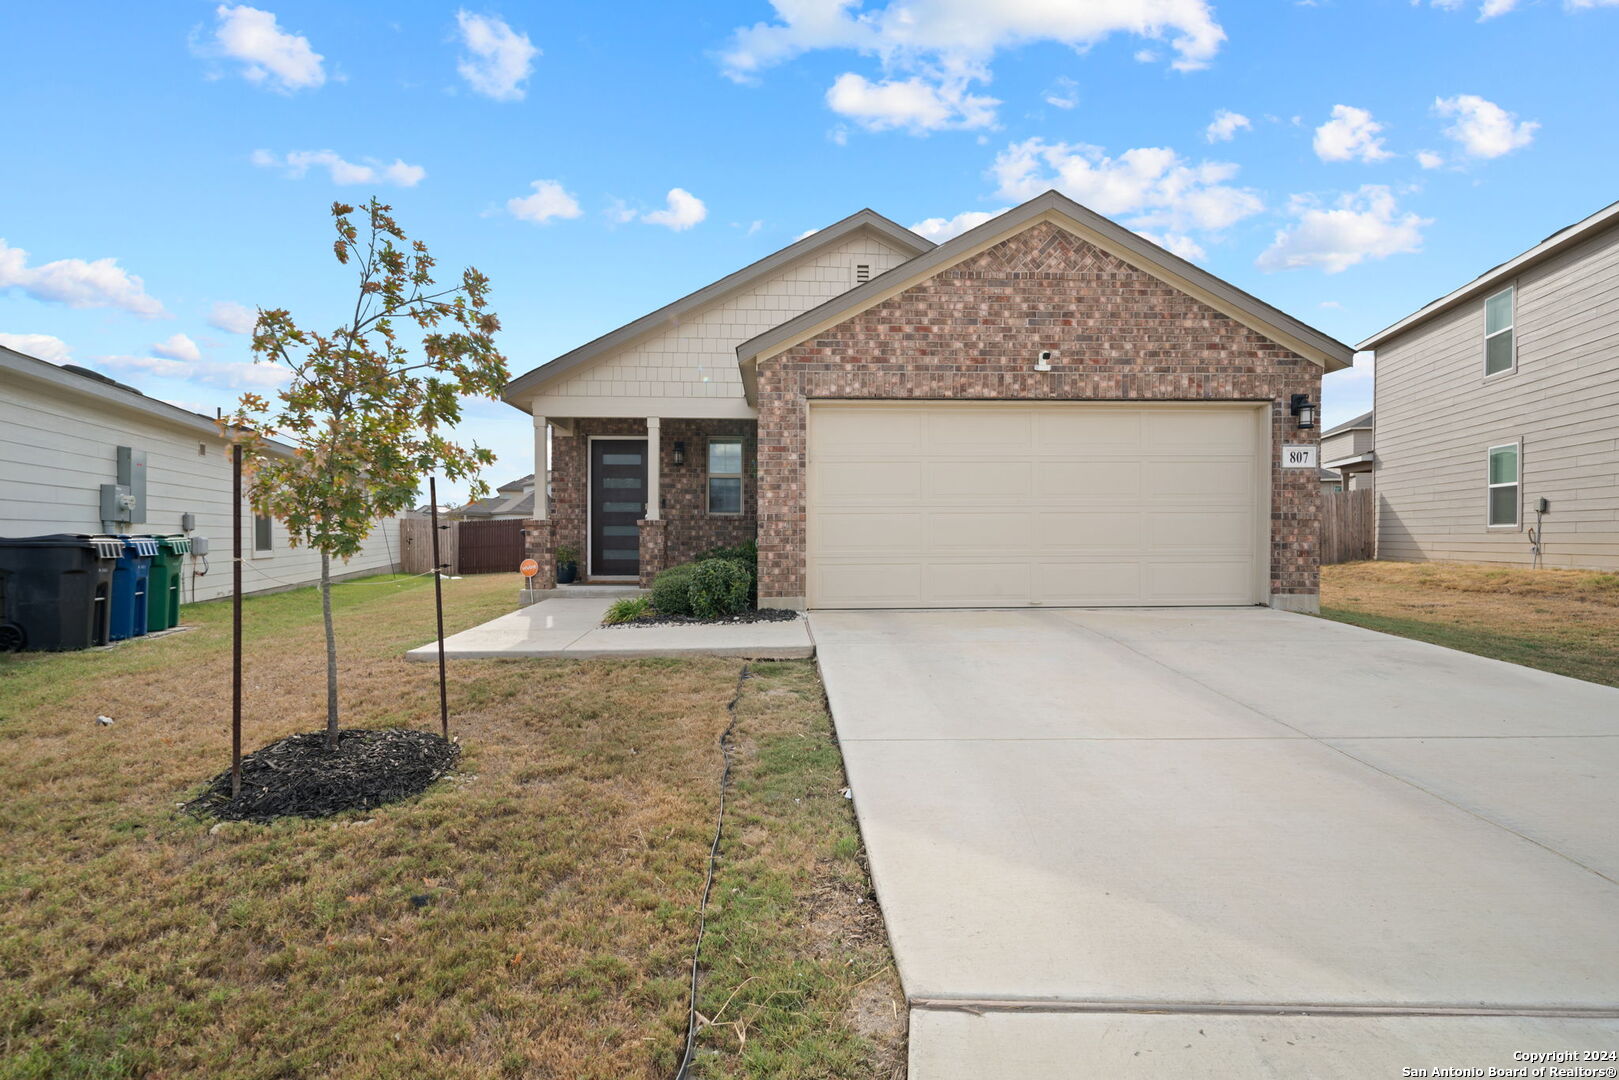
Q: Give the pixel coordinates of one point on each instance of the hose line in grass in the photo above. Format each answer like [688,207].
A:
[726,749]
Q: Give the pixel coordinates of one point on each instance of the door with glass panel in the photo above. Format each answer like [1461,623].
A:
[617,502]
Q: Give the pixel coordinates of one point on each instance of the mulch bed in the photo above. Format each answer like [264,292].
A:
[298,777]
[762,615]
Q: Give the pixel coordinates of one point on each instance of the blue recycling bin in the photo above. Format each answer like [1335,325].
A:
[130,579]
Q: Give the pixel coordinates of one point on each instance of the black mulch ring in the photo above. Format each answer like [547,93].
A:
[299,777]
[762,615]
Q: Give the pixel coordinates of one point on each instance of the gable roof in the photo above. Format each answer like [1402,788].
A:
[530,381]
[1558,241]
[1109,235]
[1366,420]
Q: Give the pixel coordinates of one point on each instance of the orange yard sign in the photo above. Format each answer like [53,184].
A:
[529,568]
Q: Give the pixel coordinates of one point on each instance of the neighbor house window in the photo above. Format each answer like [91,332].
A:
[1504,484]
[725,476]
[1499,352]
[261,532]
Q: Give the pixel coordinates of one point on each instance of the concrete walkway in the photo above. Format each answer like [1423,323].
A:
[570,626]
[1227,843]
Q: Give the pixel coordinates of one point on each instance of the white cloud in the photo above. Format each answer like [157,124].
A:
[178,347]
[915,104]
[1225,125]
[1428,159]
[1351,134]
[1064,93]
[1483,128]
[1177,244]
[549,201]
[76,283]
[1364,224]
[228,374]
[1153,187]
[269,55]
[498,59]
[939,229]
[298,163]
[952,43]
[232,317]
[39,346]
[684,211]
[806,233]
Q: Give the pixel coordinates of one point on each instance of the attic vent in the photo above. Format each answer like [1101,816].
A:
[862,273]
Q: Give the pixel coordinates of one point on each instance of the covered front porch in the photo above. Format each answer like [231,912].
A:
[630,496]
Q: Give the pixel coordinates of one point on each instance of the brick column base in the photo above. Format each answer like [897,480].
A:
[540,544]
[654,546]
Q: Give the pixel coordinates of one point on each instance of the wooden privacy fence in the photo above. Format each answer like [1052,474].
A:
[1348,525]
[416,546]
[491,547]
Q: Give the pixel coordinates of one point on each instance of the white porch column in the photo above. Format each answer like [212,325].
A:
[654,466]
[541,462]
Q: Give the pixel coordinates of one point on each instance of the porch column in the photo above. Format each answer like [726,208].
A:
[654,466]
[541,469]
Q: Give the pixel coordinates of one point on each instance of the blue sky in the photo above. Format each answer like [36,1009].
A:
[1347,161]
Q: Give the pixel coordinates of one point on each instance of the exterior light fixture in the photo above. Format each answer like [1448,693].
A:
[680,453]
[1304,410]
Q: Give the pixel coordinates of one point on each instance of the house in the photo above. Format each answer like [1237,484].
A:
[1499,401]
[1044,410]
[66,433]
[512,500]
[1330,480]
[1346,451]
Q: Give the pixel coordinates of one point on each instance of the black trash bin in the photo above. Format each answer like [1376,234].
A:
[56,591]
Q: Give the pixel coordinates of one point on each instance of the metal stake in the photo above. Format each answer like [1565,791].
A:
[438,604]
[236,624]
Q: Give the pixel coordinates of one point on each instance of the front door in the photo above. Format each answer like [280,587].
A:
[617,502]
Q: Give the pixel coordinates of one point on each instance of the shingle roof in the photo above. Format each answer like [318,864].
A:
[1364,420]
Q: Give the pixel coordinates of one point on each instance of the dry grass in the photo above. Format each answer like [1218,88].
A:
[532,915]
[1565,621]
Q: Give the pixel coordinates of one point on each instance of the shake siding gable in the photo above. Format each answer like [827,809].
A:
[1437,418]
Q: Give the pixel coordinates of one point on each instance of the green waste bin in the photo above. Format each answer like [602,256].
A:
[163,586]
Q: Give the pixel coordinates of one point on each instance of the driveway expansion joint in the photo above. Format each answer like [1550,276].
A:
[978,1006]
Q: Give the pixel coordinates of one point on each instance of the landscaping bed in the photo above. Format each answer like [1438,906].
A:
[531,913]
[753,615]
[1563,621]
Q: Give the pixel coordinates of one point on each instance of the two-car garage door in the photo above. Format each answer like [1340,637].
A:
[1001,504]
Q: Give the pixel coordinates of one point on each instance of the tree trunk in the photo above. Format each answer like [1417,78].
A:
[331,650]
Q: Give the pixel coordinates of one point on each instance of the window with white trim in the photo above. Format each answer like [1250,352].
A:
[725,475]
[1500,349]
[1504,473]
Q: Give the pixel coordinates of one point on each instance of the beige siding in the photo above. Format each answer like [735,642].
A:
[1346,444]
[697,356]
[57,449]
[1437,416]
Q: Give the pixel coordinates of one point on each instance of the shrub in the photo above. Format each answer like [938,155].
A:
[671,590]
[567,555]
[746,553]
[719,587]
[628,609]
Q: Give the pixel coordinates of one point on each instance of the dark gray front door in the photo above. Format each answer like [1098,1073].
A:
[617,502]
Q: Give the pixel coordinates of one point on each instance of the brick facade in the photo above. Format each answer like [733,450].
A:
[973,331]
[686,527]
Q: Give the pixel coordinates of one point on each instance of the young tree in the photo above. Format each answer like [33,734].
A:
[367,416]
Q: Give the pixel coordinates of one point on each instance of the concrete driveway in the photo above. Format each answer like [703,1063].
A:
[1227,843]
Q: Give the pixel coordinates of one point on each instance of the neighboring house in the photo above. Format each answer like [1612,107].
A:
[1045,410]
[1346,451]
[1330,481]
[66,431]
[1500,395]
[514,499]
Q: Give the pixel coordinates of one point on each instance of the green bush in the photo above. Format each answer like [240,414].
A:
[719,587]
[671,590]
[746,553]
[628,609]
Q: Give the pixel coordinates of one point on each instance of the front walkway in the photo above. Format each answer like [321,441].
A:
[570,626]
[1223,843]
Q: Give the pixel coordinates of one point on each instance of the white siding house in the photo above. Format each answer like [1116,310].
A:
[60,431]
[1503,393]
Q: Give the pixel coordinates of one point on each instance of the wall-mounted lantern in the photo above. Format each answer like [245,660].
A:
[1304,410]
[680,453]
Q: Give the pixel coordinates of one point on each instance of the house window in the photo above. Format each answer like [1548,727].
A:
[725,476]
[1504,473]
[261,532]
[1500,353]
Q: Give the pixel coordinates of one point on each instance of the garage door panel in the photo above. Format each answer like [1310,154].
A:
[986,504]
